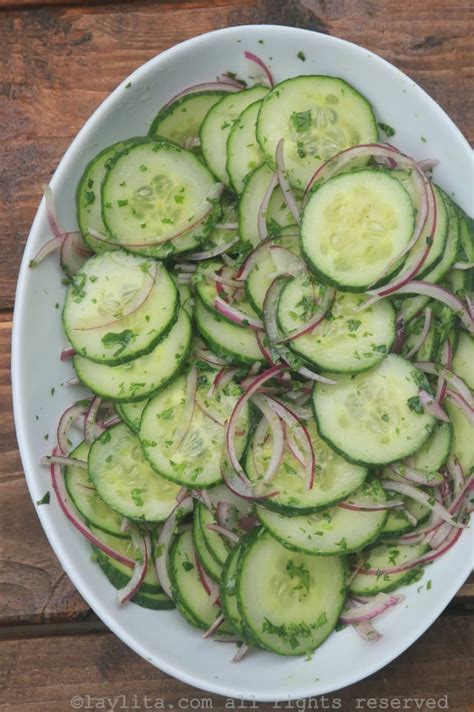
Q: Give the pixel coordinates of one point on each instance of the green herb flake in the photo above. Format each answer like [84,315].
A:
[301,55]
[120,340]
[301,120]
[388,130]
[414,403]
[45,499]
[353,324]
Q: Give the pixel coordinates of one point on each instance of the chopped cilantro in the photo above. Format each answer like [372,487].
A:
[45,499]
[301,55]
[388,130]
[301,120]
[122,340]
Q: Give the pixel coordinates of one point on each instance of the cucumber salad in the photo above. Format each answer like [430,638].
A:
[272,310]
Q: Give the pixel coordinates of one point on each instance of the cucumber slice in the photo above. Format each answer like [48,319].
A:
[464,359]
[409,307]
[217,125]
[228,597]
[350,340]
[119,574]
[131,413]
[335,478]
[271,263]
[227,340]
[331,532]
[244,153]
[144,376]
[220,236]
[189,594]
[88,195]
[86,499]
[385,556]
[218,548]
[374,417]
[210,564]
[206,289]
[105,289]
[180,121]
[354,225]
[317,116]
[440,270]
[290,601]
[125,480]
[398,523]
[462,436]
[153,190]
[196,460]
[277,215]
[432,456]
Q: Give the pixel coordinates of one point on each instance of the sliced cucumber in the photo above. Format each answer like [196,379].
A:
[144,376]
[451,249]
[244,153]
[410,307]
[214,542]
[190,596]
[100,317]
[398,523]
[374,417]
[211,566]
[350,340]
[86,499]
[228,340]
[334,531]
[432,456]
[217,125]
[463,361]
[277,214]
[195,461]
[354,225]
[119,574]
[431,343]
[385,556]
[223,236]
[155,190]
[462,435]
[131,413]
[290,601]
[88,196]
[228,597]
[317,116]
[335,478]
[272,262]
[180,121]
[125,480]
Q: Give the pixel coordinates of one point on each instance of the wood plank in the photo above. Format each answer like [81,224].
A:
[50,83]
[33,587]
[95,671]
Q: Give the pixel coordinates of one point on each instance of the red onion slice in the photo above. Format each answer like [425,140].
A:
[143,544]
[226,533]
[461,403]
[188,408]
[399,335]
[313,376]
[67,419]
[427,164]
[446,361]
[63,461]
[224,85]
[261,65]
[366,507]
[419,477]
[225,514]
[425,559]
[253,387]
[59,488]
[214,627]
[455,383]
[463,265]
[164,541]
[263,349]
[284,182]
[49,247]
[90,433]
[74,253]
[425,499]
[378,605]
[367,631]
[431,405]
[208,584]
[241,652]
[422,335]
[434,291]
[236,316]
[278,437]
[262,211]
[213,252]
[227,226]
[209,357]
[67,353]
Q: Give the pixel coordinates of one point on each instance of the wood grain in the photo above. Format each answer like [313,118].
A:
[57,63]
[49,672]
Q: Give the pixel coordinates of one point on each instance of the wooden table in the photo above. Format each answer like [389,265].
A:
[58,60]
